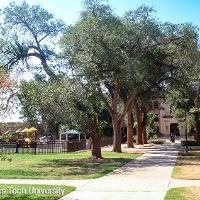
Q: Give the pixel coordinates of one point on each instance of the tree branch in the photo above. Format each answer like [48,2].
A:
[105,102]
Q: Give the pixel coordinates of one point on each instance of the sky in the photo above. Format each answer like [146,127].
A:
[175,11]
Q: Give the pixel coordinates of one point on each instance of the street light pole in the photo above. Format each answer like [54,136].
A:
[186,136]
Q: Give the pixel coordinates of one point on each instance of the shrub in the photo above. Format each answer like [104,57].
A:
[190,143]
[156,142]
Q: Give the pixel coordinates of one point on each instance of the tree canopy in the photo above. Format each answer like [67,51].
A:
[133,54]
[26,32]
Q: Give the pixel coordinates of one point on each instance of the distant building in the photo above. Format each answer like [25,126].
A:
[165,122]
[10,126]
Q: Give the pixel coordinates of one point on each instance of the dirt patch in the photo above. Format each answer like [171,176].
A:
[192,193]
[188,166]
[125,149]
[134,151]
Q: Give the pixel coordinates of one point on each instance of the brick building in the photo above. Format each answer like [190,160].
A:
[10,126]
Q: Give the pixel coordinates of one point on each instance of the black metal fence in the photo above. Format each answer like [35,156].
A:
[8,148]
[42,148]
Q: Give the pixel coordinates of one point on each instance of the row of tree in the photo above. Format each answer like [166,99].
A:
[102,65]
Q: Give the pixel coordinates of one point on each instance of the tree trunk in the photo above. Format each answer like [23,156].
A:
[96,145]
[139,125]
[95,136]
[117,134]
[53,130]
[144,127]
[197,125]
[117,118]
[130,130]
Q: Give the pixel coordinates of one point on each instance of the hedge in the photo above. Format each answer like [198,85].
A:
[190,143]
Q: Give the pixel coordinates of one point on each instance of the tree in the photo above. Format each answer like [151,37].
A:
[90,117]
[89,45]
[40,99]
[30,32]
[134,53]
[151,126]
[48,102]
[63,102]
[27,32]
[155,50]
[7,89]
[184,97]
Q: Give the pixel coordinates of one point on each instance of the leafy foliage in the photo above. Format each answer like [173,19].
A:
[50,102]
[151,129]
[39,29]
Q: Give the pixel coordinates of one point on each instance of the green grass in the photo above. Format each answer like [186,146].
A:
[28,192]
[183,193]
[75,165]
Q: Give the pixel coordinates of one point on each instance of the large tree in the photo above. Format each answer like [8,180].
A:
[89,47]
[28,37]
[27,32]
[184,96]
[63,102]
[157,53]
[32,32]
[90,116]
[134,53]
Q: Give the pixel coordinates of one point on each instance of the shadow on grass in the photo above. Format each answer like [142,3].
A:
[22,173]
[192,158]
[83,162]
[84,167]
[65,168]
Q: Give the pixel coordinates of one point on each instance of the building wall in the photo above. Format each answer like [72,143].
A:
[165,125]
[166,119]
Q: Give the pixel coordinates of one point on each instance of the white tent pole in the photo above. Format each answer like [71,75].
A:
[79,137]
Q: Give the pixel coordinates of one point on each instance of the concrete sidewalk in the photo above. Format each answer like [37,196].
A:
[183,183]
[145,178]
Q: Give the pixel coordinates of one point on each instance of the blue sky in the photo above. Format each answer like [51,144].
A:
[175,11]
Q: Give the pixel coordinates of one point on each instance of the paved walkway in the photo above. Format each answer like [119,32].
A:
[145,178]
[183,183]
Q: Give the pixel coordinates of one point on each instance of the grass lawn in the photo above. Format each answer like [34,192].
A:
[183,193]
[187,166]
[75,165]
[33,192]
